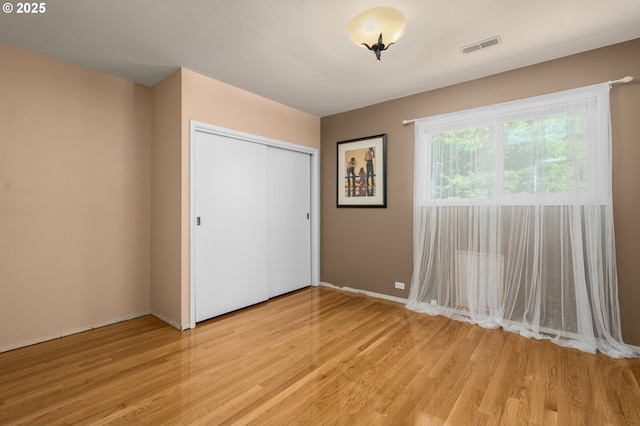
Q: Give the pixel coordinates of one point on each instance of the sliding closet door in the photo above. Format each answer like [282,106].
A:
[289,201]
[231,266]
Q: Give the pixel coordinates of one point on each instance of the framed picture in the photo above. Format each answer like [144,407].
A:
[362,172]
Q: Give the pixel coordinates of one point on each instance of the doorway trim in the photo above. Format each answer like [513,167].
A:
[197,126]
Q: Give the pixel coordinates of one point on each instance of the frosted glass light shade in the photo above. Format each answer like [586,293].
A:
[367,26]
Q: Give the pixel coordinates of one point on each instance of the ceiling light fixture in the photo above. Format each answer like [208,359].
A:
[373,28]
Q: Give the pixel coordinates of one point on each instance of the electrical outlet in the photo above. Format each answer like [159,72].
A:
[433,302]
[399,286]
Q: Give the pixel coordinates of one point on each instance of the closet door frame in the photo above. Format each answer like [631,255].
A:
[197,126]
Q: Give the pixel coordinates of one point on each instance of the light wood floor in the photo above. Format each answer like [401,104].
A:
[316,356]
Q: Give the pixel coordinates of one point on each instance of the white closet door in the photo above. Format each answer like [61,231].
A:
[231,264]
[289,203]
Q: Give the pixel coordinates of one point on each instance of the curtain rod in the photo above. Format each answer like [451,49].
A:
[622,80]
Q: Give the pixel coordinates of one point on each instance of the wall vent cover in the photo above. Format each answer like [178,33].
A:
[481,44]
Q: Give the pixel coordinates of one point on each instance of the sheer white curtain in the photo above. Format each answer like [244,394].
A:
[513,219]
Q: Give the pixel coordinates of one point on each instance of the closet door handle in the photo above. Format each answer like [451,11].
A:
[198,221]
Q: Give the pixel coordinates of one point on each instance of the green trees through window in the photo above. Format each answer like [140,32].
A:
[517,157]
[547,155]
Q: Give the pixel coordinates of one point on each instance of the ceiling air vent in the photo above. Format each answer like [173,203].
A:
[481,44]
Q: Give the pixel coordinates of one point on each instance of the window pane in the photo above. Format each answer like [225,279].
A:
[463,164]
[546,155]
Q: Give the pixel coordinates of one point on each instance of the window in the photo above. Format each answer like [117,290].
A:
[513,219]
[514,154]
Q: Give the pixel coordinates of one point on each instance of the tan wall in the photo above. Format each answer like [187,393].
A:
[213,102]
[74,198]
[94,190]
[210,101]
[371,248]
[165,198]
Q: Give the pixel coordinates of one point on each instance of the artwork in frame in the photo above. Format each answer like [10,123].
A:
[362,172]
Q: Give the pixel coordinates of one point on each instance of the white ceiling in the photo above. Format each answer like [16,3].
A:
[297,52]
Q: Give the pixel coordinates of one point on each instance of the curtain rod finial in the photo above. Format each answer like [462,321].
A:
[625,79]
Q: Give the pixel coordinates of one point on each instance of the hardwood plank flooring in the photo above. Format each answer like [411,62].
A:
[315,356]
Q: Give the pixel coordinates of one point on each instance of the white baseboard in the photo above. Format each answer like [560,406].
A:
[366,293]
[171,322]
[29,342]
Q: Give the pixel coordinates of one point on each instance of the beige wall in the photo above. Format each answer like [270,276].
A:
[371,248]
[165,198]
[213,102]
[94,190]
[210,101]
[74,198]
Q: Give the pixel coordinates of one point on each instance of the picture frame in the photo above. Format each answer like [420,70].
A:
[362,172]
